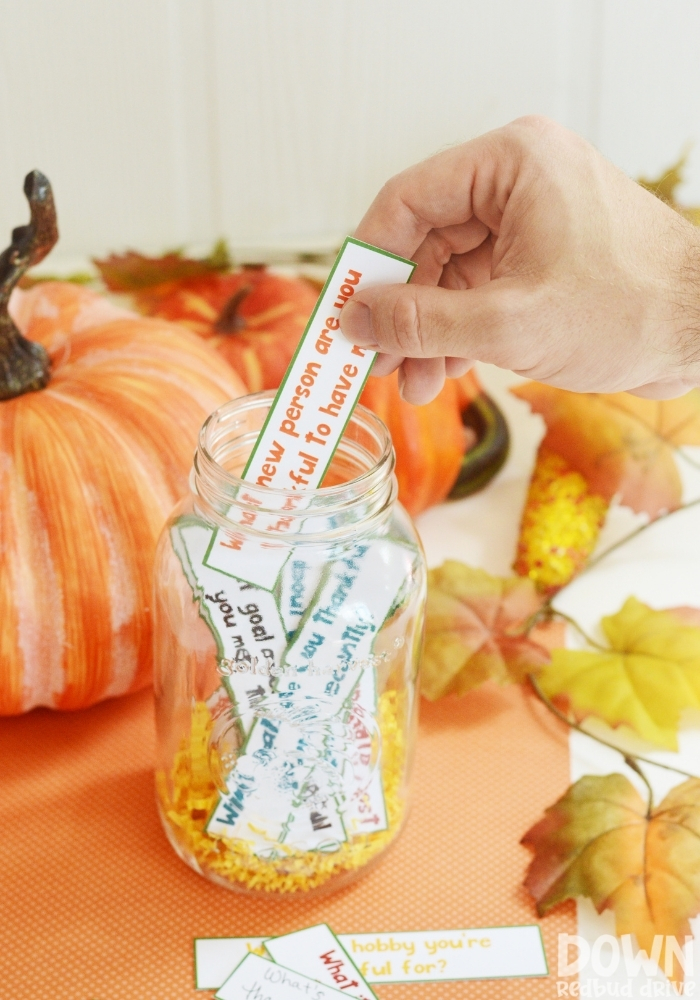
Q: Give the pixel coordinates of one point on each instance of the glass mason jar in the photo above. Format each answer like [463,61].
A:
[288,631]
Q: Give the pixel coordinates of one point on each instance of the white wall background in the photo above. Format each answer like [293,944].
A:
[274,122]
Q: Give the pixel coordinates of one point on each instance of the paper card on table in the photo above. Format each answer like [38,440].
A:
[433,956]
[317,952]
[216,958]
[414,956]
[258,979]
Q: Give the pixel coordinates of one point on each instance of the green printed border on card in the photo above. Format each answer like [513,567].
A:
[348,240]
[179,543]
[187,521]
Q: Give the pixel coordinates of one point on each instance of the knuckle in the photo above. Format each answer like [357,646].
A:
[551,148]
[392,191]
[535,123]
[391,187]
[407,325]
[536,135]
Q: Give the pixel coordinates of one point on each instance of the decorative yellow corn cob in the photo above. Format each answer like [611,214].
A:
[560,523]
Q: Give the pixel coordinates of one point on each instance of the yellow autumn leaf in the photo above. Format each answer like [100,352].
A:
[474,630]
[598,841]
[649,675]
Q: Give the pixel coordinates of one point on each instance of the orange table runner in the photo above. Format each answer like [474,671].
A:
[96,906]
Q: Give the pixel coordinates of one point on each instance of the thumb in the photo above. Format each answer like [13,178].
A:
[425,321]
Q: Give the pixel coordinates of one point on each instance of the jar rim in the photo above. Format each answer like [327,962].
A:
[213,482]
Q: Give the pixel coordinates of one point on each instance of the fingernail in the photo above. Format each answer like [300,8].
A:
[356,325]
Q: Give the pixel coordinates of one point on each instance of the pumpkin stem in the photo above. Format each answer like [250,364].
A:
[24,366]
[229,321]
[481,462]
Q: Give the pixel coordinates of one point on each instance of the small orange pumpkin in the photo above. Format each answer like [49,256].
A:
[428,440]
[90,467]
[252,316]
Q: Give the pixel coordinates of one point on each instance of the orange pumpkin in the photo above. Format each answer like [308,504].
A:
[428,440]
[90,467]
[252,316]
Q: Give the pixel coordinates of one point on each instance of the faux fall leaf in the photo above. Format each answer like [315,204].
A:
[132,271]
[649,675]
[620,444]
[664,187]
[474,632]
[597,841]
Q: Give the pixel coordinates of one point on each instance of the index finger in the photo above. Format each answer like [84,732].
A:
[447,189]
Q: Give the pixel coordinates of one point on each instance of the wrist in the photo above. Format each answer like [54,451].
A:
[684,309]
[674,314]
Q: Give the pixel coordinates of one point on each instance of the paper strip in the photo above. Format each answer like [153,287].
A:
[347,613]
[432,955]
[364,809]
[258,979]
[242,559]
[216,958]
[299,581]
[243,619]
[437,956]
[318,953]
[324,379]
[308,415]
[272,800]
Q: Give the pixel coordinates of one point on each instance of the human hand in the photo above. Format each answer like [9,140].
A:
[535,254]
